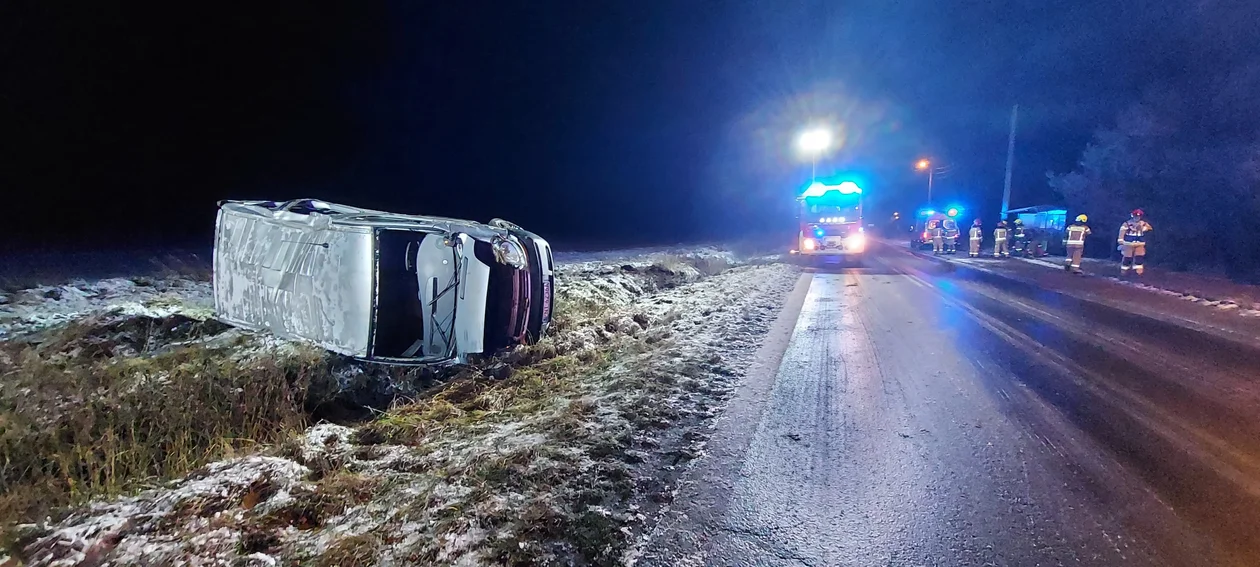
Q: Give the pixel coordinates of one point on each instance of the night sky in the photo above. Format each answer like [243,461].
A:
[593,123]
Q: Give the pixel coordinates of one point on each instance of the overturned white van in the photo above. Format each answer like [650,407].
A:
[380,286]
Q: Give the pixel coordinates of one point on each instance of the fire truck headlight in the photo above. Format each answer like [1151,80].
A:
[809,244]
[856,242]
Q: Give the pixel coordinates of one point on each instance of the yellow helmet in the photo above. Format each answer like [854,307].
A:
[1019,221]
[1082,218]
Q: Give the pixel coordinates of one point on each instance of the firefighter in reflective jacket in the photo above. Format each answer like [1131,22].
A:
[1074,240]
[1132,241]
[976,235]
[1000,246]
[951,235]
[1020,239]
[938,237]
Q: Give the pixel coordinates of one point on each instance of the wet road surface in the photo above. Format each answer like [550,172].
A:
[913,414]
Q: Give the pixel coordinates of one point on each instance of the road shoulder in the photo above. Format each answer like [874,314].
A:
[683,532]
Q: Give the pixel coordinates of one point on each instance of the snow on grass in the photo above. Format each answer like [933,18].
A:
[563,458]
[1222,304]
[42,307]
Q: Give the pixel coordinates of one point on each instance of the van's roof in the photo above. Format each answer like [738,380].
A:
[354,216]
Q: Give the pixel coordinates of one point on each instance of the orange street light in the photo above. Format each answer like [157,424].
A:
[923,164]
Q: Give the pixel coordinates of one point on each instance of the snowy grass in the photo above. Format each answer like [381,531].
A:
[704,265]
[92,409]
[556,453]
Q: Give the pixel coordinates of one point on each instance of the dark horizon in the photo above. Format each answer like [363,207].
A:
[620,123]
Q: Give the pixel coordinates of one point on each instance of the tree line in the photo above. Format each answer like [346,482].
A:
[1190,158]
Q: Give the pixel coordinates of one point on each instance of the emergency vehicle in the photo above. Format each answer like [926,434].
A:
[830,219]
[921,236]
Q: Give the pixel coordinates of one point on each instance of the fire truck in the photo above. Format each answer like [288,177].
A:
[830,219]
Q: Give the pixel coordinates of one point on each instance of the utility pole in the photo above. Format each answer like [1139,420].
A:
[1010,162]
[930,169]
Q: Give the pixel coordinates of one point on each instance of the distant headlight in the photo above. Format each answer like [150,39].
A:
[509,252]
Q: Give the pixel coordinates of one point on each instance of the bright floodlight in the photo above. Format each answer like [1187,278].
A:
[815,140]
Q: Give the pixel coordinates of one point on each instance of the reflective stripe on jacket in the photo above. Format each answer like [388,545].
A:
[1076,234]
[999,233]
[1134,231]
[977,233]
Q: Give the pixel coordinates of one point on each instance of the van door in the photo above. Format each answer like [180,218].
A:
[445,278]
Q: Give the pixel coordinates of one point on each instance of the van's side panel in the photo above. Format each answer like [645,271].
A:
[296,279]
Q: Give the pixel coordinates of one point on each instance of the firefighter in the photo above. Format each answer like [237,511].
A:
[938,237]
[1074,240]
[976,235]
[1019,237]
[1132,241]
[1001,247]
[951,236]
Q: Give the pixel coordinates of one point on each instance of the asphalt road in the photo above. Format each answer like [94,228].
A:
[908,413]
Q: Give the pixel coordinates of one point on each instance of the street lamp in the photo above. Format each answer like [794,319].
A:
[924,164]
[815,141]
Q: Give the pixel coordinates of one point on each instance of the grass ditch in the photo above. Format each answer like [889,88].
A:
[537,494]
[77,420]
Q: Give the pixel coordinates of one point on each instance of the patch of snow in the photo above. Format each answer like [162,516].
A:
[39,308]
[261,559]
[325,438]
[127,530]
